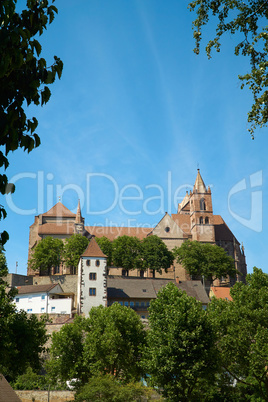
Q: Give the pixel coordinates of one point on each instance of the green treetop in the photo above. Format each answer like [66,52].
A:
[179,355]
[127,252]
[74,247]
[106,246]
[205,259]
[242,337]
[22,338]
[155,254]
[46,254]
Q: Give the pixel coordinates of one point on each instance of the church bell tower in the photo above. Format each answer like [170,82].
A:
[201,212]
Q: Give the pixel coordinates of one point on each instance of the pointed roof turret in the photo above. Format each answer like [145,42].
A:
[93,250]
[199,185]
[184,201]
[78,218]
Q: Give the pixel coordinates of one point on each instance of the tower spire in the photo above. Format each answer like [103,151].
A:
[199,185]
[78,218]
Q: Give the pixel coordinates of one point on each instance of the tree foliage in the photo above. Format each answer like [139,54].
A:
[107,248]
[114,342]
[242,338]
[46,254]
[208,260]
[74,247]
[22,338]
[155,254]
[179,355]
[24,78]
[108,342]
[29,380]
[66,363]
[127,252]
[107,388]
[248,21]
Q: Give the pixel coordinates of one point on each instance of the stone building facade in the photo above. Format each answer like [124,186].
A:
[194,220]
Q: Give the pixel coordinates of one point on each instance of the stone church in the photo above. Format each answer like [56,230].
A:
[194,220]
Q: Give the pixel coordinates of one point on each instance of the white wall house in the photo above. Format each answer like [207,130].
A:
[41,299]
[92,279]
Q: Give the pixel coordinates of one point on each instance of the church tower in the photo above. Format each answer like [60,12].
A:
[79,221]
[201,212]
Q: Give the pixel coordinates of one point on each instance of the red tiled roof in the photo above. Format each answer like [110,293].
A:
[222,232]
[115,231]
[55,228]
[221,292]
[183,221]
[93,250]
[59,210]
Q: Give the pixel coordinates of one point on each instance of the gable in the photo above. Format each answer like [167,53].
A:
[168,229]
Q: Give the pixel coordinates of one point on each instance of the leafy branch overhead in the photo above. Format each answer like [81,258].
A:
[248,21]
[24,78]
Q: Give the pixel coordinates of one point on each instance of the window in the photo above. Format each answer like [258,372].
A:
[144,290]
[57,270]
[43,297]
[126,303]
[142,304]
[137,304]
[142,274]
[206,220]
[29,310]
[201,220]
[167,229]
[92,276]
[202,205]
[88,263]
[121,303]
[53,309]
[97,263]
[42,309]
[92,291]
[17,299]
[148,304]
[131,304]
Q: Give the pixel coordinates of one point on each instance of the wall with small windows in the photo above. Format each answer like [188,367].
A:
[92,284]
[44,302]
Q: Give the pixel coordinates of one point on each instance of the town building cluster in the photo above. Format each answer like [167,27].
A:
[66,290]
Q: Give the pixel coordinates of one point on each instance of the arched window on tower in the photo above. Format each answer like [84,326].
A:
[202,204]
[206,220]
[201,220]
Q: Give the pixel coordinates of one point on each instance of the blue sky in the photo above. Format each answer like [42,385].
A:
[134,114]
